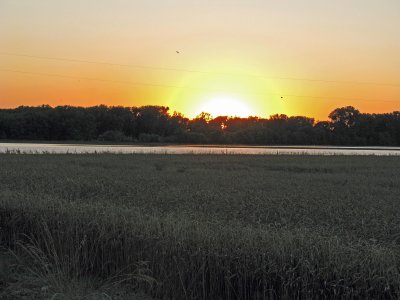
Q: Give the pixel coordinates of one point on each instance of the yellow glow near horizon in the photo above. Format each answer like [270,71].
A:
[226,106]
[225,92]
[286,58]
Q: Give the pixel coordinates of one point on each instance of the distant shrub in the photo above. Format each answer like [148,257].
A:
[194,137]
[170,139]
[149,138]
[113,136]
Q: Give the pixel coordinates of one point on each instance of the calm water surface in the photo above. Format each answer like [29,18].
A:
[191,149]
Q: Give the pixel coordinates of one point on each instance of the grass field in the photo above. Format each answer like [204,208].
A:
[209,227]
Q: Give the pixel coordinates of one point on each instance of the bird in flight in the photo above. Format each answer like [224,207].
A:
[177,51]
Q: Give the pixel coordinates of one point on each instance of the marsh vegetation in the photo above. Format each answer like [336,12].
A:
[212,226]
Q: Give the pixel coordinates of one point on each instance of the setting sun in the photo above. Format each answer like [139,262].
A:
[226,106]
[227,149]
[195,56]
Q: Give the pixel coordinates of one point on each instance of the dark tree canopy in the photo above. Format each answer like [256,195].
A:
[344,117]
[346,126]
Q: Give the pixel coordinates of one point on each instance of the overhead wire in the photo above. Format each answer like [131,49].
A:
[185,87]
[200,71]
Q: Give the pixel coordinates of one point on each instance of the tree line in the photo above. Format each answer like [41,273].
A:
[146,124]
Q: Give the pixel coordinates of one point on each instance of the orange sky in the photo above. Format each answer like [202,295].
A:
[239,57]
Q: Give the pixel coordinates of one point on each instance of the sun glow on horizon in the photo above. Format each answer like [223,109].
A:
[195,56]
[226,106]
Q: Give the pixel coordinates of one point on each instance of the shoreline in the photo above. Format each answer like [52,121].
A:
[213,146]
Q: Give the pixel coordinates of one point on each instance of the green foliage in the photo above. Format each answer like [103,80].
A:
[212,227]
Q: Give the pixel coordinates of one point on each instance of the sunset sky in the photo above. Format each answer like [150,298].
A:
[236,57]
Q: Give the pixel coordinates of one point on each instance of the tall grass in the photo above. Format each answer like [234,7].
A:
[211,227]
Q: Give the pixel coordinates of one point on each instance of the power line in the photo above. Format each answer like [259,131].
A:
[90,78]
[183,87]
[102,63]
[200,71]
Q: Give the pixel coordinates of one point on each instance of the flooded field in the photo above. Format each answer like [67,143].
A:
[40,148]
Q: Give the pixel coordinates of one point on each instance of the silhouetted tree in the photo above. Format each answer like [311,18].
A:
[347,126]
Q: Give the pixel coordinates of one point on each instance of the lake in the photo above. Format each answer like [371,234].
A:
[38,148]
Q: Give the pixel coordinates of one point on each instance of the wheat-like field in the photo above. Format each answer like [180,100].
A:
[210,226]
